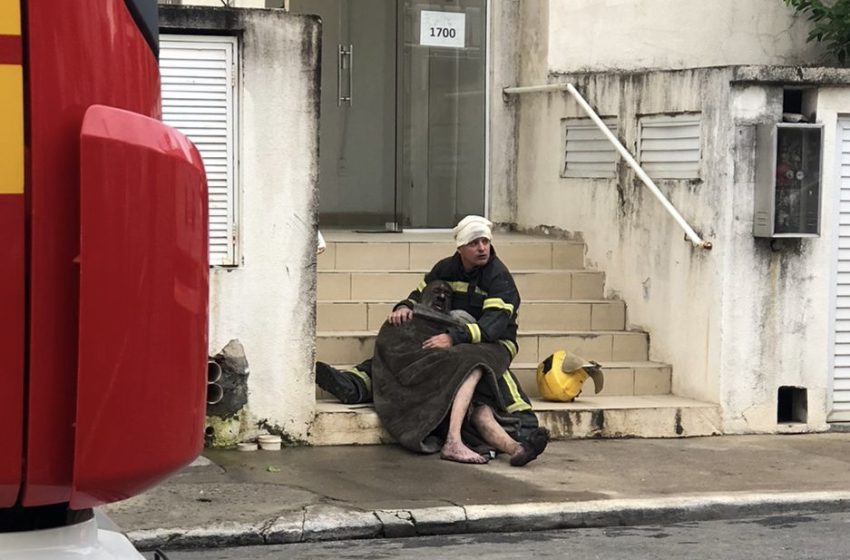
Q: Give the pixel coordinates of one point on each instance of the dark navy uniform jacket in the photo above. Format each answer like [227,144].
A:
[488,293]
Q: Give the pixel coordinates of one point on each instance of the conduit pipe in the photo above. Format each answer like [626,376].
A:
[215,392]
[692,235]
[213,372]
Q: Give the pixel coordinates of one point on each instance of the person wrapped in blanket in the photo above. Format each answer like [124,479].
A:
[498,411]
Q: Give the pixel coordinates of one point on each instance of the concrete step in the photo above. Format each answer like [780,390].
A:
[659,416]
[575,315]
[407,253]
[622,379]
[395,284]
[350,347]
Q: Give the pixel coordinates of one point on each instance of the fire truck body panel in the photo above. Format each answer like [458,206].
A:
[143,298]
[11,252]
[86,52]
[103,216]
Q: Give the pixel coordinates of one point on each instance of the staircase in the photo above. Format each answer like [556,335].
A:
[361,277]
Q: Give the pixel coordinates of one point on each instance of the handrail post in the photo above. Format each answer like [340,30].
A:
[692,235]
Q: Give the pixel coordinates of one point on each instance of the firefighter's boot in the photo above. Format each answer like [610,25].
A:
[347,386]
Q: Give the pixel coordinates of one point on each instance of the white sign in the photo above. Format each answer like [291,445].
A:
[442,29]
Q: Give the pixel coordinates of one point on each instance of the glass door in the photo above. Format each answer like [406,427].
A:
[442,111]
[357,128]
[402,126]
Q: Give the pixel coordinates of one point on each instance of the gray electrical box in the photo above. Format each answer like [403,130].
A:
[788,180]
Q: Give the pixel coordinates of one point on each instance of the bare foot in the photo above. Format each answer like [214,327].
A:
[456,451]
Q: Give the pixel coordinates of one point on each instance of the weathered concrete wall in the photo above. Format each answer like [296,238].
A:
[669,287]
[833,103]
[268,302]
[780,322]
[738,322]
[504,67]
[594,35]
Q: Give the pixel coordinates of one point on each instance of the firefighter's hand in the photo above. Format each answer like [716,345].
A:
[438,341]
[400,316]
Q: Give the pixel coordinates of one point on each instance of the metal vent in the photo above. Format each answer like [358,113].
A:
[669,146]
[841,322]
[198,98]
[587,153]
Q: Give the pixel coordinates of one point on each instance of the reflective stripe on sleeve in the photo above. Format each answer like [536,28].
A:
[512,348]
[499,303]
[474,331]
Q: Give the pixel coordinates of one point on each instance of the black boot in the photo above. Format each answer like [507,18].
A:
[338,383]
[531,447]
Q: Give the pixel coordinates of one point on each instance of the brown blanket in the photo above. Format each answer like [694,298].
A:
[414,388]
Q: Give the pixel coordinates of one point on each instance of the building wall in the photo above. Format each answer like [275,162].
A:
[594,35]
[736,322]
[750,316]
[779,324]
[670,288]
[268,301]
[503,72]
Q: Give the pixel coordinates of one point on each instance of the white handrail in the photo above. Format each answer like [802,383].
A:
[694,238]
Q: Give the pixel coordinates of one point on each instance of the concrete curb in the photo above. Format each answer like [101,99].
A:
[326,522]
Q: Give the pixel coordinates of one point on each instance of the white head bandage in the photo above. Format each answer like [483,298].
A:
[471,228]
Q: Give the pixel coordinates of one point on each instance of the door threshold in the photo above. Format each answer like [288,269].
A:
[384,230]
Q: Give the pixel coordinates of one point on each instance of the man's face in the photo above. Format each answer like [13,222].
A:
[475,253]
[438,296]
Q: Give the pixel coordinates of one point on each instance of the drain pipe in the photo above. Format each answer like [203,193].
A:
[692,235]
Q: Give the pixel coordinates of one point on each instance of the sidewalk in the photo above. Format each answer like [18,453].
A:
[326,493]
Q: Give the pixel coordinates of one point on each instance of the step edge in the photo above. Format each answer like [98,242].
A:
[423,271]
[328,406]
[524,301]
[368,333]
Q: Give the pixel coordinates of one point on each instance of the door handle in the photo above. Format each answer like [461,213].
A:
[344,53]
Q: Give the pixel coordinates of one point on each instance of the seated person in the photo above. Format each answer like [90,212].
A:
[444,399]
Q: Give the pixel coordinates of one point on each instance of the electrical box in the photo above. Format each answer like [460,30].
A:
[788,180]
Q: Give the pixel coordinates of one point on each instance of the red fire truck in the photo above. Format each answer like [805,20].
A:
[103,275]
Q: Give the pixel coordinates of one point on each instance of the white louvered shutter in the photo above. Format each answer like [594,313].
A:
[587,153]
[841,356]
[198,98]
[669,146]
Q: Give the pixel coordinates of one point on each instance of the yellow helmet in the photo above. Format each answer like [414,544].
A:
[561,376]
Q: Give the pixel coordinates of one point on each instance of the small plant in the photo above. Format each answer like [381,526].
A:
[830,24]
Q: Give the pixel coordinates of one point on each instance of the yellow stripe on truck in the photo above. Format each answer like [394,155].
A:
[10,17]
[12,119]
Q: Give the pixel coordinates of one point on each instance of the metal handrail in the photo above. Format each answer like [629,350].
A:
[692,235]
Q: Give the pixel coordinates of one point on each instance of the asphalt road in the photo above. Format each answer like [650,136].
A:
[795,535]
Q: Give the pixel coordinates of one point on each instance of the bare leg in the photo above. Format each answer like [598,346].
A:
[454,449]
[492,432]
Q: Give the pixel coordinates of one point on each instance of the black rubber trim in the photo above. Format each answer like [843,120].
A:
[17,519]
[146,15]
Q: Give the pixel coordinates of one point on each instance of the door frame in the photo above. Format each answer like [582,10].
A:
[488,69]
